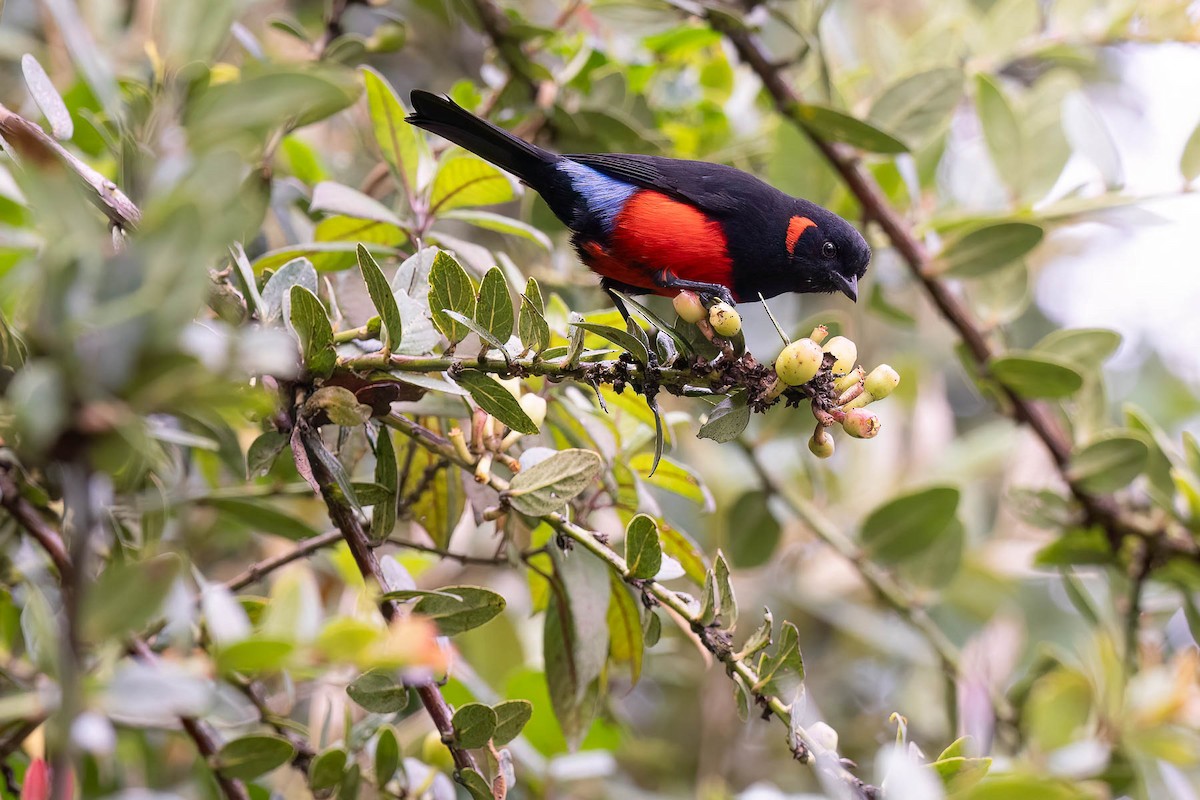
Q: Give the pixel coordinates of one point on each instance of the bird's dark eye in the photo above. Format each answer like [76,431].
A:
[829,250]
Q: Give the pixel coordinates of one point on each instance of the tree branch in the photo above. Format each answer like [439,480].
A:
[28,140]
[1099,510]
[352,531]
[824,760]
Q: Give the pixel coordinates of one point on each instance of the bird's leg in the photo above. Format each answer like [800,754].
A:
[707,291]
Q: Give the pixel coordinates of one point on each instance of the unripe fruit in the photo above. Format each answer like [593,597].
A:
[799,362]
[819,333]
[846,353]
[534,407]
[725,320]
[821,443]
[882,381]
[861,423]
[824,735]
[688,307]
[852,377]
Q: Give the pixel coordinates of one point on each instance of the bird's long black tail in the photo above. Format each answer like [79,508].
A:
[451,121]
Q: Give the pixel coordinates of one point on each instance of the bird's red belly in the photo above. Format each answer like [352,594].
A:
[654,232]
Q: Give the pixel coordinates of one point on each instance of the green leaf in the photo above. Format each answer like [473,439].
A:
[959,773]
[919,107]
[626,641]
[336,198]
[548,485]
[475,784]
[494,309]
[907,526]
[1076,546]
[575,639]
[1002,132]
[1087,347]
[1036,375]
[833,125]
[325,256]
[985,250]
[468,180]
[339,404]
[511,717]
[618,337]
[1108,462]
[753,532]
[470,607]
[326,769]
[726,601]
[760,638]
[501,224]
[400,143]
[258,654]
[493,398]
[727,420]
[643,552]
[483,333]
[127,596]
[310,322]
[474,725]
[387,755]
[48,100]
[1189,162]
[382,297]
[262,517]
[251,756]
[383,513]
[673,477]
[450,288]
[782,673]
[297,272]
[531,326]
[263,451]
[708,602]
[378,691]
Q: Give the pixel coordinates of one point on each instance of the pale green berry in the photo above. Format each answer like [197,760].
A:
[848,380]
[725,319]
[861,423]
[799,362]
[824,735]
[688,307]
[846,353]
[821,443]
[882,381]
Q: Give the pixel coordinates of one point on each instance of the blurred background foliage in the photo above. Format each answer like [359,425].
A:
[230,395]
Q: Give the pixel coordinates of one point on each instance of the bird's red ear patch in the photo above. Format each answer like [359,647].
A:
[797,226]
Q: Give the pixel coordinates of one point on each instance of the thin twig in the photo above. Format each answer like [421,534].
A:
[822,758]
[257,571]
[352,531]
[29,518]
[29,141]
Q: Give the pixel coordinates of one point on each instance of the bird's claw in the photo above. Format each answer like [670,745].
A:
[721,294]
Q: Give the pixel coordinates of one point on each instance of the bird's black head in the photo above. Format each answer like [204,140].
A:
[827,253]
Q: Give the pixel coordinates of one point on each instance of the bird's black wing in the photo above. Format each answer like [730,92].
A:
[716,189]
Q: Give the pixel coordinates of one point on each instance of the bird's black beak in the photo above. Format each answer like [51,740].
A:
[849,286]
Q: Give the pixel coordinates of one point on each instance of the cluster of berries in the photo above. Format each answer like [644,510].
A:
[801,362]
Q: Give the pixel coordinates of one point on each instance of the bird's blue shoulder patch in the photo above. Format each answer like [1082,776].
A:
[605,196]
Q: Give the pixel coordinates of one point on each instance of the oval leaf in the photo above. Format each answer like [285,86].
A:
[468,180]
[41,88]
[828,123]
[643,551]
[1108,463]
[496,400]
[382,297]
[250,756]
[337,198]
[548,485]
[494,309]
[460,608]
[450,289]
[1036,375]
[511,716]
[920,106]
[310,322]
[987,249]
[400,143]
[474,725]
[378,691]
[1087,347]
[908,525]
